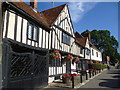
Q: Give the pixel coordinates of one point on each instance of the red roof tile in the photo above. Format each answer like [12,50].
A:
[27,9]
[52,14]
[77,35]
[81,41]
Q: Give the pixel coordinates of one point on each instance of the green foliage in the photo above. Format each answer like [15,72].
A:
[105,42]
[98,66]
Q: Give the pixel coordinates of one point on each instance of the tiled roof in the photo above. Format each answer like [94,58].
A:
[27,9]
[77,35]
[52,14]
[81,41]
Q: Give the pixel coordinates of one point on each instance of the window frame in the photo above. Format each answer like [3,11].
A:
[97,54]
[81,50]
[92,52]
[66,39]
[34,37]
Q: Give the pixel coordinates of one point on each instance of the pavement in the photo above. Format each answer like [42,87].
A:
[108,79]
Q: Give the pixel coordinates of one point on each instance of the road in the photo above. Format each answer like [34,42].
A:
[108,79]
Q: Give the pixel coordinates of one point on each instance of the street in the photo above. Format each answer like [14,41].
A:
[108,79]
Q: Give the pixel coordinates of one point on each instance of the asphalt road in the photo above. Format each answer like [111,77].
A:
[108,79]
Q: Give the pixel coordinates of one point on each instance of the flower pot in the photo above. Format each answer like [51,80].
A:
[66,80]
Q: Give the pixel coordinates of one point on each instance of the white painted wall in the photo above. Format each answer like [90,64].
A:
[87,46]
[94,57]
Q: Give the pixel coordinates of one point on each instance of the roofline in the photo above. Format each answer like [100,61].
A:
[79,34]
[71,20]
[69,15]
[58,15]
[79,44]
[14,7]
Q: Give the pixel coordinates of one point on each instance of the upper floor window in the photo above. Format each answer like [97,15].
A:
[97,54]
[32,32]
[92,52]
[87,51]
[65,38]
[81,50]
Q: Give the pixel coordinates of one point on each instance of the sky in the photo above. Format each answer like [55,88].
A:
[90,15]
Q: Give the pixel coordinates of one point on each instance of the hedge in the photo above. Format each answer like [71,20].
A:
[98,66]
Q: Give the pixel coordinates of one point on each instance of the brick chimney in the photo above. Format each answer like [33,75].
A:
[87,34]
[34,4]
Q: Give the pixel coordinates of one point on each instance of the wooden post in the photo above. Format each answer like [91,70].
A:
[81,77]
[72,81]
[95,72]
[86,76]
[90,74]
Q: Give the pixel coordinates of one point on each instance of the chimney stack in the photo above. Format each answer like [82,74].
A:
[34,4]
[89,36]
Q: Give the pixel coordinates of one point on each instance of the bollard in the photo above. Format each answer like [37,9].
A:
[90,74]
[86,76]
[81,77]
[95,72]
[72,81]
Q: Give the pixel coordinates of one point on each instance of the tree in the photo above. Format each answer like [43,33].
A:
[104,42]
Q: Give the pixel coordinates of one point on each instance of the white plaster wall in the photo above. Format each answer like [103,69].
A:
[11,26]
[87,46]
[94,57]
[19,28]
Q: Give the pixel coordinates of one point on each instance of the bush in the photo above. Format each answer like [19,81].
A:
[98,66]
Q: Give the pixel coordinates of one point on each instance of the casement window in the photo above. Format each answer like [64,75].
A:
[55,63]
[87,51]
[65,38]
[81,50]
[97,54]
[32,32]
[92,52]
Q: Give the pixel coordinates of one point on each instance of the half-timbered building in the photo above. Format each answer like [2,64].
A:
[91,53]
[62,39]
[25,46]
[95,54]
[84,41]
[30,38]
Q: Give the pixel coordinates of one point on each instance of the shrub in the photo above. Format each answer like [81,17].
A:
[98,66]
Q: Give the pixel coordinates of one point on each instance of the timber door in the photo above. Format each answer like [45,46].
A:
[24,70]
[68,67]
